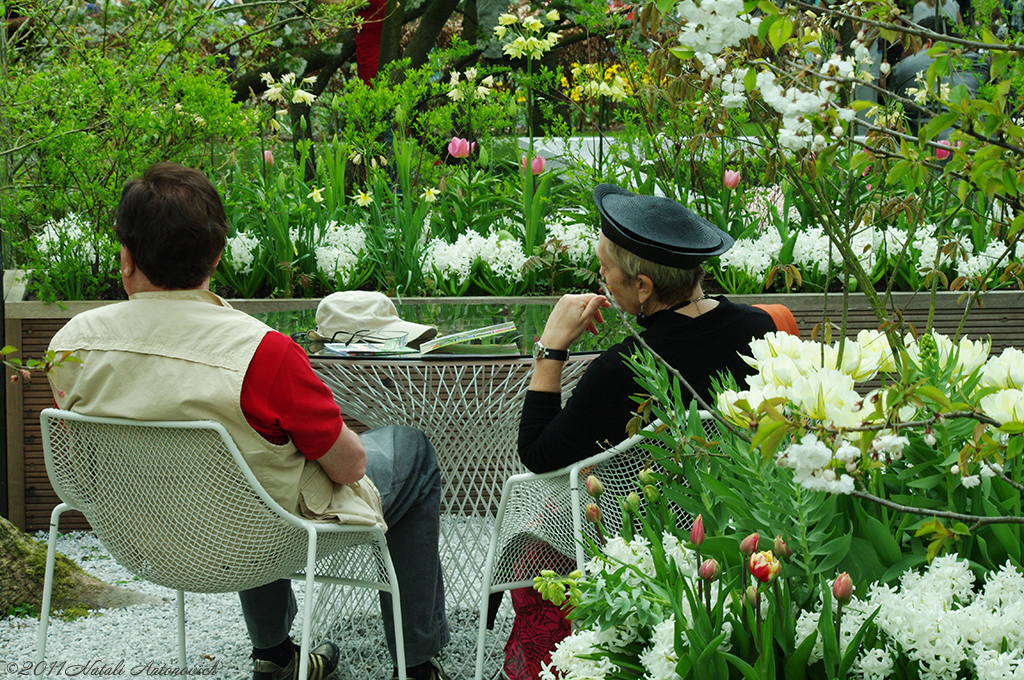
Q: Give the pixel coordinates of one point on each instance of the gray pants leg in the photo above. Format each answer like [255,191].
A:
[402,464]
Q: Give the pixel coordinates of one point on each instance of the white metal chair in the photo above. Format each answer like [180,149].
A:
[540,517]
[177,505]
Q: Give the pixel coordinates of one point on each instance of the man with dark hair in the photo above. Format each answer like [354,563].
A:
[175,351]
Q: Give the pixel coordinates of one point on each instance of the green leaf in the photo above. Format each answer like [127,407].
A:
[745,668]
[780,32]
[796,666]
[886,547]
[937,125]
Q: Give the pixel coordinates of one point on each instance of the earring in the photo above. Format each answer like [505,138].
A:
[641,317]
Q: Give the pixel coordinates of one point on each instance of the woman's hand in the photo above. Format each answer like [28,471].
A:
[572,315]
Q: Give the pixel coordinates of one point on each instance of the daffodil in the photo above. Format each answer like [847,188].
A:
[315,195]
[363,199]
[430,194]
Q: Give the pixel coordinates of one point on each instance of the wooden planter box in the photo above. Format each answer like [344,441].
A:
[31,325]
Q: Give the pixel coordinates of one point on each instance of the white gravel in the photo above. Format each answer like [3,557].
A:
[141,640]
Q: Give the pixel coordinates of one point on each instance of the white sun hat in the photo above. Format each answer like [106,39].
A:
[365,316]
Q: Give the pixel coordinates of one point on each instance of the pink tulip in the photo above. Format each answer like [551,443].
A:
[594,486]
[781,550]
[731,179]
[593,513]
[697,531]
[748,546]
[942,154]
[268,156]
[460,148]
[842,589]
[536,165]
[708,570]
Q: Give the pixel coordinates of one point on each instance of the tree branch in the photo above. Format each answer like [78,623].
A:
[976,520]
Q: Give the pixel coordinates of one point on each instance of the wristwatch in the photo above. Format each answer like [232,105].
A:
[542,352]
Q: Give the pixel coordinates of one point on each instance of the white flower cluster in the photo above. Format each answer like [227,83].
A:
[713,25]
[570,659]
[341,248]
[797,107]
[458,92]
[240,252]
[940,623]
[576,235]
[499,251]
[812,249]
[52,240]
[753,256]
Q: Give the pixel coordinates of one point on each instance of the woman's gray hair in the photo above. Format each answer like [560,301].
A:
[671,284]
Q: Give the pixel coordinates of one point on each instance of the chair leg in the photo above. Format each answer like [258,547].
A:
[51,556]
[181,630]
[396,606]
[307,604]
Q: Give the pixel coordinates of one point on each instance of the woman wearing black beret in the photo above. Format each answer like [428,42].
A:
[651,250]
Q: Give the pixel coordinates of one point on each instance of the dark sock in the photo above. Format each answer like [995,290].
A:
[280,654]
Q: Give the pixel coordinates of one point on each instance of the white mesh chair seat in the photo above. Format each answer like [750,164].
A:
[470,410]
[176,504]
[541,524]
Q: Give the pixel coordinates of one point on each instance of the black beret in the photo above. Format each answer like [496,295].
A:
[657,228]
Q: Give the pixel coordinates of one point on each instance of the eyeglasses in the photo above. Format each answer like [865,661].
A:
[387,339]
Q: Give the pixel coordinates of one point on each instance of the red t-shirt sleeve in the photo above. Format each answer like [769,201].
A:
[283,400]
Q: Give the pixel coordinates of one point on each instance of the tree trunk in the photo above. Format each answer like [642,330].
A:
[23,563]
[431,24]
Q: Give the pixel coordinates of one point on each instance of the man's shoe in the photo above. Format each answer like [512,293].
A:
[323,661]
[431,671]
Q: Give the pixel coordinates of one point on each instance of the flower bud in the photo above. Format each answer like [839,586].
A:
[646,477]
[697,531]
[633,500]
[651,493]
[842,589]
[731,179]
[594,486]
[750,596]
[763,566]
[748,546]
[593,513]
[708,570]
[268,156]
[781,549]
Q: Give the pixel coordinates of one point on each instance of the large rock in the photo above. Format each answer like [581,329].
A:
[23,563]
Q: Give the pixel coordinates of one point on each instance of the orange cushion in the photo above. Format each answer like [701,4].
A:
[783,318]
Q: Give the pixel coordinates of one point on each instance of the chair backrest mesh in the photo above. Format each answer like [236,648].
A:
[171,504]
[537,530]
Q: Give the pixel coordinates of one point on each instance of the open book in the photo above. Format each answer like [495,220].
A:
[473,341]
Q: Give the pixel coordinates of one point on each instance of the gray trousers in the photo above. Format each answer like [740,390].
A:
[401,462]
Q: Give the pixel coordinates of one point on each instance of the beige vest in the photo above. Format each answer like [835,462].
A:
[182,355]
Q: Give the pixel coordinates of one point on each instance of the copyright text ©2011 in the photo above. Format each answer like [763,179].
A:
[100,668]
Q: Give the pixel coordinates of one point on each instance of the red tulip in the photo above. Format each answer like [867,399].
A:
[697,531]
[748,546]
[764,567]
[842,589]
[942,154]
[731,179]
